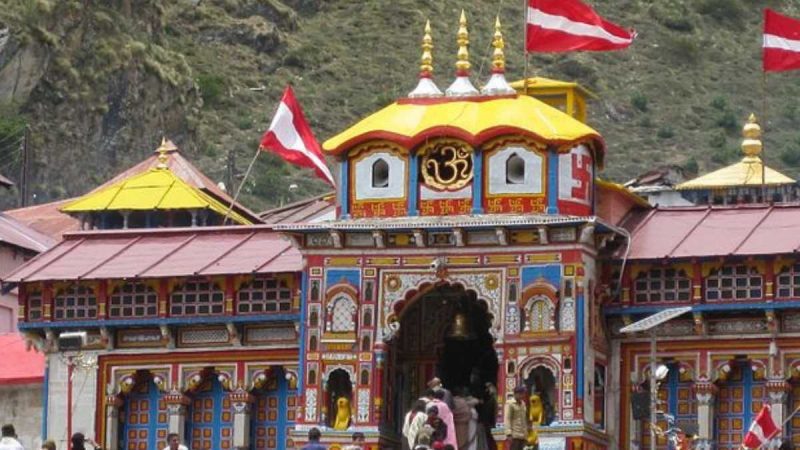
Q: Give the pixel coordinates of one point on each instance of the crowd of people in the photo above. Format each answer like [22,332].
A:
[9,441]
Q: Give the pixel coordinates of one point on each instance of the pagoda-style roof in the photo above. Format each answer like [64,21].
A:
[750,171]
[155,189]
[746,172]
[475,120]
[533,84]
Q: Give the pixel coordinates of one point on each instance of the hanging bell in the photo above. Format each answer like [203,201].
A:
[460,328]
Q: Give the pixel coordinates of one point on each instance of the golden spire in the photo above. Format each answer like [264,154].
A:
[162,154]
[462,65]
[426,63]
[498,57]
[751,144]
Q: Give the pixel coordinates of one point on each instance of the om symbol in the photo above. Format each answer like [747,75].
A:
[447,166]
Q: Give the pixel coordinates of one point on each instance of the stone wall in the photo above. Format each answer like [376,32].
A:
[21,405]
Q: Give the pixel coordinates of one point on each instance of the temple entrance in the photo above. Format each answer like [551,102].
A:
[445,334]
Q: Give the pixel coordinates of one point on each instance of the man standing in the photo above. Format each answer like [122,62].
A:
[9,441]
[516,419]
[358,442]
[314,436]
[174,442]
[436,385]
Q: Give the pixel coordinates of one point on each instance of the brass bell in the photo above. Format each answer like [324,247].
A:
[460,328]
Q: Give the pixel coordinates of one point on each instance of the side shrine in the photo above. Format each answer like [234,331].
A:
[470,240]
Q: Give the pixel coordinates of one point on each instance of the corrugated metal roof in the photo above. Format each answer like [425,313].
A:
[308,210]
[162,253]
[47,218]
[717,231]
[455,221]
[18,364]
[18,234]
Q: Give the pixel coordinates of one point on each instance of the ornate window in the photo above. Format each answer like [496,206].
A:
[341,314]
[734,283]
[539,314]
[133,300]
[75,302]
[380,174]
[265,295]
[515,170]
[788,282]
[35,306]
[663,285]
[197,298]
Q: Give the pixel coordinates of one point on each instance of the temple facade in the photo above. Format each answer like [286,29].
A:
[470,239]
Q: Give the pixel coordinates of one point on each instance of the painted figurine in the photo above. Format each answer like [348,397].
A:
[535,417]
[342,417]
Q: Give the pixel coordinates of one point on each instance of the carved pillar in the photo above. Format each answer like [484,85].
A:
[706,392]
[778,392]
[242,402]
[113,403]
[380,366]
[176,408]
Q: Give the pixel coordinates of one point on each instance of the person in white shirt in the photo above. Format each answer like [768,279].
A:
[9,441]
[174,442]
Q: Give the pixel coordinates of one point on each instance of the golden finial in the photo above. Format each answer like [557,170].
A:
[498,57]
[162,154]
[751,144]
[426,63]
[463,46]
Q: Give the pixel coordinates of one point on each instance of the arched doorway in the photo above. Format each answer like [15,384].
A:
[444,333]
[143,415]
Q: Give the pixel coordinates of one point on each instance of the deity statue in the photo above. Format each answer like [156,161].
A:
[535,417]
[342,414]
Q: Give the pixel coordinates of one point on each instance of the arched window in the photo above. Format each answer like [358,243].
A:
[663,285]
[788,281]
[380,174]
[539,312]
[265,295]
[341,314]
[75,302]
[133,300]
[734,283]
[515,170]
[197,298]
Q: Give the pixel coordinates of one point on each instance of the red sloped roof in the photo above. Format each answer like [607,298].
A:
[16,233]
[180,252]
[716,231]
[19,365]
[47,218]
[302,211]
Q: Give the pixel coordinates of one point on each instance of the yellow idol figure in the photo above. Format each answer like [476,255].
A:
[342,420]
[535,417]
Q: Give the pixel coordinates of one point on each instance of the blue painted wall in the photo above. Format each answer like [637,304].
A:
[335,276]
[550,272]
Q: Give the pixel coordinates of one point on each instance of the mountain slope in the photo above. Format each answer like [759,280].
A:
[100,85]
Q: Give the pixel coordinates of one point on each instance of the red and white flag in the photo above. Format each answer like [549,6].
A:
[761,430]
[571,25]
[781,42]
[290,137]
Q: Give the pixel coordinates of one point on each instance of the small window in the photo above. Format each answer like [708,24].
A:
[380,174]
[515,170]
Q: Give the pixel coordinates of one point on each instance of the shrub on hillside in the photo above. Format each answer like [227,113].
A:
[682,49]
[722,10]
[639,101]
[211,88]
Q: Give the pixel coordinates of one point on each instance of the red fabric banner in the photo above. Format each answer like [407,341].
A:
[571,25]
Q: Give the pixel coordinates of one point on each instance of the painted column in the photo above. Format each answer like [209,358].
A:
[380,364]
[552,180]
[477,182]
[113,403]
[706,393]
[778,393]
[177,404]
[413,184]
[242,403]
[344,194]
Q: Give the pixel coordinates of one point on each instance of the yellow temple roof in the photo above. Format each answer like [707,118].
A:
[155,189]
[747,172]
[549,83]
[409,122]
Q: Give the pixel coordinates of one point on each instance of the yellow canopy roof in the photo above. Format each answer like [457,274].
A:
[475,120]
[746,172]
[156,189]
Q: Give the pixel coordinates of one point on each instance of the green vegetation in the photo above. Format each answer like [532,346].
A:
[208,74]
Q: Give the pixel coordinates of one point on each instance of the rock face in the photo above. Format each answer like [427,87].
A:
[21,67]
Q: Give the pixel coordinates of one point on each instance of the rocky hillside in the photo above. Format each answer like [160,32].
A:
[99,83]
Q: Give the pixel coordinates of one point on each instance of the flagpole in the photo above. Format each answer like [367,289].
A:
[525,46]
[763,131]
[239,188]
